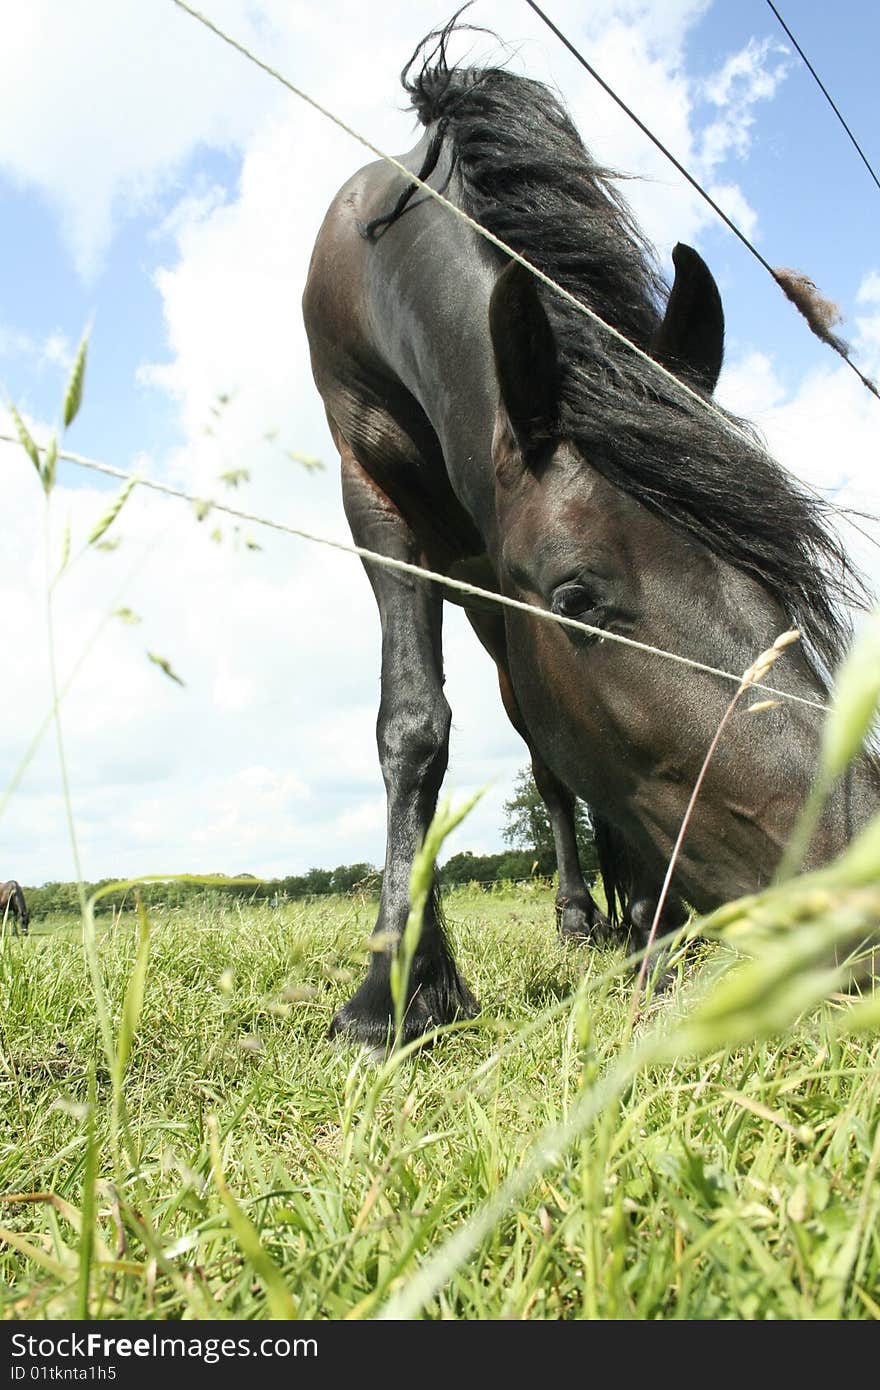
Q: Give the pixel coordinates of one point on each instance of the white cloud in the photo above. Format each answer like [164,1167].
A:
[731,201]
[868,324]
[54,351]
[749,386]
[826,429]
[103,102]
[126,94]
[869,290]
[749,76]
[640,50]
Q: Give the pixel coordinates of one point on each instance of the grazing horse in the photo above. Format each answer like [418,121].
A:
[487,429]
[13,906]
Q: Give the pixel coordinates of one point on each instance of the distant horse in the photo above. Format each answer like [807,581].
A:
[488,429]
[13,907]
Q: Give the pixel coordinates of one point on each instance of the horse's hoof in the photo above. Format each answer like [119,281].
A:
[432,1006]
[580,927]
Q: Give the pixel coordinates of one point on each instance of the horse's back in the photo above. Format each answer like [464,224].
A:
[336,296]
[397,322]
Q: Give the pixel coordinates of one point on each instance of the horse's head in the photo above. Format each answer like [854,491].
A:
[575,541]
[625,730]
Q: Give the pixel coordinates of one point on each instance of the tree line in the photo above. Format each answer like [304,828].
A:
[526,830]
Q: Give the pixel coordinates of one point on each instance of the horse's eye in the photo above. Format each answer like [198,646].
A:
[574,601]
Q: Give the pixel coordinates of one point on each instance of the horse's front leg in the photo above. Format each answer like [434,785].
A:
[577,915]
[413,738]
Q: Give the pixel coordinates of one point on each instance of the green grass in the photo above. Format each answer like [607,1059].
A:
[250,1168]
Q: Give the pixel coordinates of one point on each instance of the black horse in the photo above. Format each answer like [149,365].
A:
[13,907]
[487,428]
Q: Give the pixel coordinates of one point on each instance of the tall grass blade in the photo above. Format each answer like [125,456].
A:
[106,521]
[852,713]
[73,394]
[282,1305]
[50,464]
[65,554]
[27,442]
[87,1235]
[165,667]
[134,999]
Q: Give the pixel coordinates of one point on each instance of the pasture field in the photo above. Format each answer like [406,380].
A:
[239,1164]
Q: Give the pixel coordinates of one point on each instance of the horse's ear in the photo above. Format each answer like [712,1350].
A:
[525,358]
[690,340]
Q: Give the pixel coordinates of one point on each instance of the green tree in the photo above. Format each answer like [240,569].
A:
[347,877]
[467,867]
[527,826]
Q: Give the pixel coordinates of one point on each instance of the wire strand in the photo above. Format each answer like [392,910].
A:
[675,382]
[671,379]
[655,140]
[825,92]
[837,346]
[417,571]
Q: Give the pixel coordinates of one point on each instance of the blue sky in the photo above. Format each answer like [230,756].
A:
[815,199]
[815,202]
[155,186]
[42,293]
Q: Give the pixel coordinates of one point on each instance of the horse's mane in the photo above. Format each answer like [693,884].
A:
[527,177]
